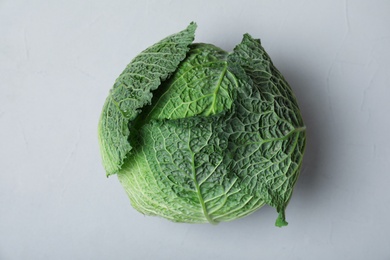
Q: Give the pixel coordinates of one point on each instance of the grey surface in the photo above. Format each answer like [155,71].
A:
[58,59]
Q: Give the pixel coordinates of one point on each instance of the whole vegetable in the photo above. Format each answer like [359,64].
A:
[196,134]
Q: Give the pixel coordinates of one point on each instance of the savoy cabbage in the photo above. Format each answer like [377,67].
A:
[196,134]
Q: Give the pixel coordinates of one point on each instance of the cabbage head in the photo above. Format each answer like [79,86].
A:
[196,134]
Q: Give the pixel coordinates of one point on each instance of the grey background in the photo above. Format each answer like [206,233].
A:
[58,60]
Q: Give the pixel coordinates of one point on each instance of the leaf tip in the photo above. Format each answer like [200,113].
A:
[192,25]
[248,37]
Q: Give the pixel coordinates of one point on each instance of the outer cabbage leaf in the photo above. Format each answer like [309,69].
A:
[182,171]
[132,91]
[268,134]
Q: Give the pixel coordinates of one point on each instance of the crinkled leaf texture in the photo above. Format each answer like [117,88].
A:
[199,135]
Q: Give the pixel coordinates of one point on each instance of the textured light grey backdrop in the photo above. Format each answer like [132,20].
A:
[58,60]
